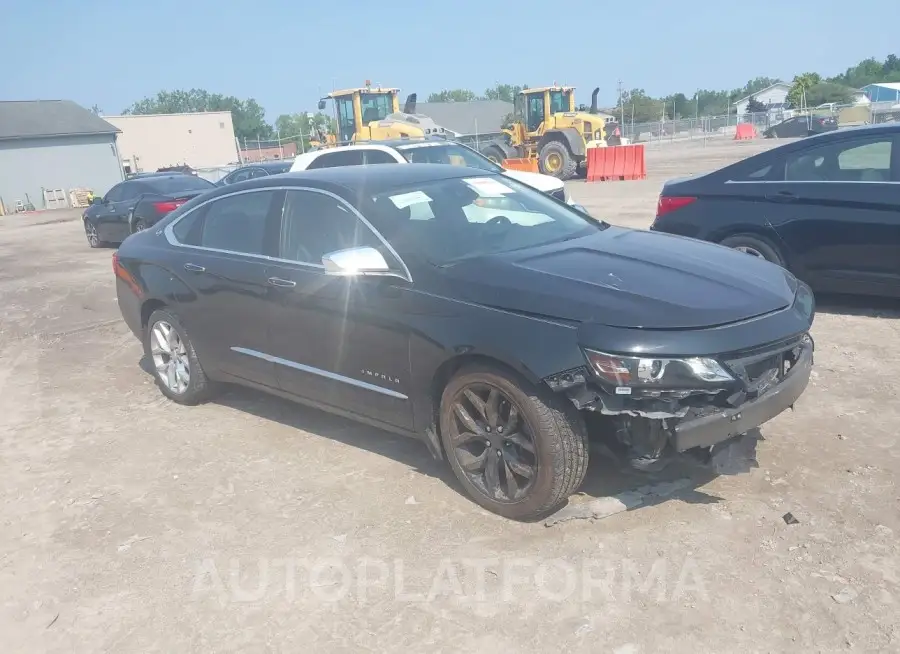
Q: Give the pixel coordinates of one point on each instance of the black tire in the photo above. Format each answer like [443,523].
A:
[139,225]
[495,153]
[756,246]
[567,164]
[199,388]
[558,437]
[92,235]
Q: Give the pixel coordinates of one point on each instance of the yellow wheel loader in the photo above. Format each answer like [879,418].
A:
[373,114]
[548,128]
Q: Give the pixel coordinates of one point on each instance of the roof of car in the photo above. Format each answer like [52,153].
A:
[269,165]
[374,179]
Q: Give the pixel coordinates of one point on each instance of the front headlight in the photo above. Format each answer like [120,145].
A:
[662,373]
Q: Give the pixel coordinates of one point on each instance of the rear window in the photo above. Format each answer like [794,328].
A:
[169,185]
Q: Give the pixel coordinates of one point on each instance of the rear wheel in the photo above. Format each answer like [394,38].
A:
[556,160]
[93,236]
[176,368]
[756,246]
[517,449]
[140,225]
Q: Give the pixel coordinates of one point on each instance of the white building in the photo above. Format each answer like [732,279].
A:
[152,141]
[775,94]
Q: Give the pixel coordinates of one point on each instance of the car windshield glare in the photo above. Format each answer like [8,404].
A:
[449,153]
[449,220]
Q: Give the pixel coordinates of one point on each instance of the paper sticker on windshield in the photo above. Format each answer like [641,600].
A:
[488,187]
[407,199]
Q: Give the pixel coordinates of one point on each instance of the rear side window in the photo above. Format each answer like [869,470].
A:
[237,223]
[856,160]
[336,159]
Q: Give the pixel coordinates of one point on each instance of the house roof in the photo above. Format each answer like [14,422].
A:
[477,116]
[42,118]
[893,86]
[782,84]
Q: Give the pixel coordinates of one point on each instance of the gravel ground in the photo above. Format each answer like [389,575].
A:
[131,524]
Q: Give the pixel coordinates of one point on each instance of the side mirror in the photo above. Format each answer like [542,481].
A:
[355,261]
[96,200]
[321,105]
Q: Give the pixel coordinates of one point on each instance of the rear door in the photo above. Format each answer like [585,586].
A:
[223,259]
[837,207]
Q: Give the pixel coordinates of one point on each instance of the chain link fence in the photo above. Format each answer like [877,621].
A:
[708,127]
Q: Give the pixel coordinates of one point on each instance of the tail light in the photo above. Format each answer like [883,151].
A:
[168,205]
[668,204]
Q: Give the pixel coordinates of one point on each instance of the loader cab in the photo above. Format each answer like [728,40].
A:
[355,109]
[540,103]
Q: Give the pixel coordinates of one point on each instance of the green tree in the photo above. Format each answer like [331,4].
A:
[452,95]
[248,116]
[824,92]
[754,106]
[642,107]
[301,128]
[505,92]
[800,88]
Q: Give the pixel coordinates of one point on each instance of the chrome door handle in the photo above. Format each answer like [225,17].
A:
[282,283]
[194,267]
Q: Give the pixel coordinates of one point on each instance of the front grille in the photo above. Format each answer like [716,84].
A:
[559,194]
[762,368]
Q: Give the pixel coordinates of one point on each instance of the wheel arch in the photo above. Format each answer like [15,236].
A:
[765,232]
[148,307]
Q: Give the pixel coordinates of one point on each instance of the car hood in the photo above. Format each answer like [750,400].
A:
[545,183]
[626,278]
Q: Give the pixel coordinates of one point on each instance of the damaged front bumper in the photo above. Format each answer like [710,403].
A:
[724,424]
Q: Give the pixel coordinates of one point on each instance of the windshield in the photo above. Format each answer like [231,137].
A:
[448,220]
[559,101]
[447,153]
[375,106]
[168,185]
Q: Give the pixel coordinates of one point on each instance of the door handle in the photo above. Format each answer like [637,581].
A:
[194,267]
[282,283]
[782,196]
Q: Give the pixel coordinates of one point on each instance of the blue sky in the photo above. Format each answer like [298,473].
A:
[285,52]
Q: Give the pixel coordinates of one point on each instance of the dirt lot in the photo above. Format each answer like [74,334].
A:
[130,524]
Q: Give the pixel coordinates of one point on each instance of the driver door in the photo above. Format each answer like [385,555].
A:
[534,112]
[340,341]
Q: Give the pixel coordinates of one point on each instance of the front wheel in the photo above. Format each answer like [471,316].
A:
[92,235]
[519,450]
[556,160]
[494,153]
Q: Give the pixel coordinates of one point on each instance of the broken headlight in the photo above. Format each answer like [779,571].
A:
[625,372]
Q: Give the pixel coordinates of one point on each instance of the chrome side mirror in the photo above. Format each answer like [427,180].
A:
[355,261]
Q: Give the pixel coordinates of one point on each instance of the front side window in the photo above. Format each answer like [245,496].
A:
[315,224]
[375,106]
[238,176]
[856,160]
[115,193]
[378,157]
[237,223]
[449,220]
[450,153]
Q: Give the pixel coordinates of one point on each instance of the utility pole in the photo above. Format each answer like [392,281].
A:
[621,105]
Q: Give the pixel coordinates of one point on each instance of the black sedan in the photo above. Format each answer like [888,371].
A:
[801,126]
[254,170]
[827,208]
[395,296]
[136,204]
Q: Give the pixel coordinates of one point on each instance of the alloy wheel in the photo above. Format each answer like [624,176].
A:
[91,232]
[746,249]
[493,443]
[170,358]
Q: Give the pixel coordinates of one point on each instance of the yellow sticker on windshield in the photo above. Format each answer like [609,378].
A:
[488,187]
[407,199]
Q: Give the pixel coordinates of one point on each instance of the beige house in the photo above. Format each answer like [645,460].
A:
[152,141]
